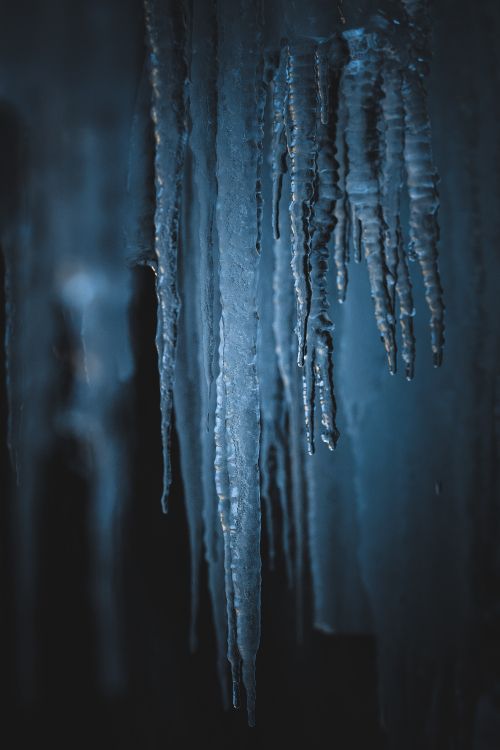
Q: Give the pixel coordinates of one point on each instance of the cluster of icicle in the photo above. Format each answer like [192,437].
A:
[350,138]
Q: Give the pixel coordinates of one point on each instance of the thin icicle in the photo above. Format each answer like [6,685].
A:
[282,326]
[238,155]
[223,492]
[397,274]
[322,74]
[292,422]
[342,228]
[320,328]
[302,149]
[166,35]
[421,173]
[264,75]
[203,110]
[406,310]
[187,394]
[318,370]
[360,84]
[268,374]
[279,147]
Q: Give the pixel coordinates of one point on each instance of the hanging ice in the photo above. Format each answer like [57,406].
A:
[167,39]
[238,147]
[270,143]
[348,127]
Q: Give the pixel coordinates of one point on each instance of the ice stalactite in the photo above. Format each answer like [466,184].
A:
[398,276]
[319,360]
[302,148]
[341,229]
[238,433]
[361,83]
[187,398]
[279,148]
[291,483]
[271,451]
[338,110]
[421,173]
[302,136]
[202,143]
[282,330]
[167,33]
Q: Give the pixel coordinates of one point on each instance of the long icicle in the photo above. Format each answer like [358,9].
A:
[166,27]
[320,327]
[421,173]
[279,147]
[223,492]
[398,277]
[341,230]
[203,101]
[302,103]
[360,89]
[238,154]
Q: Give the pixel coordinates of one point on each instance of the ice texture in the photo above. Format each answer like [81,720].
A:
[239,137]
[166,26]
[266,144]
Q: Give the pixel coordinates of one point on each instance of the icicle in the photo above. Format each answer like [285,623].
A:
[279,147]
[282,326]
[302,149]
[319,359]
[292,428]
[166,35]
[360,90]
[267,366]
[264,75]
[397,274]
[341,211]
[187,393]
[223,492]
[421,174]
[203,102]
[322,74]
[238,155]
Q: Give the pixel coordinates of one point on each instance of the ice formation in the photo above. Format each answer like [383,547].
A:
[286,141]
[344,119]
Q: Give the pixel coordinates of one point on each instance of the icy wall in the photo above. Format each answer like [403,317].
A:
[272,163]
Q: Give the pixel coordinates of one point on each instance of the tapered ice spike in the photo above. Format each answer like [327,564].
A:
[239,137]
[302,149]
[319,360]
[283,309]
[167,36]
[361,90]
[421,173]
[341,229]
[222,486]
[397,272]
[323,75]
[279,147]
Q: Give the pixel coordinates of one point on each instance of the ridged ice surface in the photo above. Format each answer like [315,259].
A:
[303,154]
[166,36]
[265,151]
[239,144]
